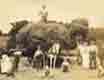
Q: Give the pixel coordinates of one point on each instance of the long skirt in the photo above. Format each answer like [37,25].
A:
[85,60]
[6,66]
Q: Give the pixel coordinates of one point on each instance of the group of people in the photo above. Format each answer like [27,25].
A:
[90,57]
[87,57]
[9,63]
[88,54]
[47,58]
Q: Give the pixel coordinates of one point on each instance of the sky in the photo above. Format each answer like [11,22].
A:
[65,10]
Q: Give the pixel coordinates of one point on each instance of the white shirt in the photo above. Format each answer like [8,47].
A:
[83,49]
[18,53]
[93,48]
[38,52]
[65,63]
[43,12]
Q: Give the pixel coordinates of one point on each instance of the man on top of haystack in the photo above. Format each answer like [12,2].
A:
[43,13]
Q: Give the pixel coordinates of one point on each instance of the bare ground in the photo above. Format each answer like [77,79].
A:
[76,73]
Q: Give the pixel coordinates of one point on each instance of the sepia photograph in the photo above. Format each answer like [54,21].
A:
[51,40]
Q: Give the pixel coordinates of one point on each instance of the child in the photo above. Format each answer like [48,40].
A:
[47,71]
[65,65]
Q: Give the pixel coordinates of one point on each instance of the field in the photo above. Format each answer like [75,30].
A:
[76,73]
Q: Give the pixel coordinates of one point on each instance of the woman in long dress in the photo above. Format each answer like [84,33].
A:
[6,64]
[84,51]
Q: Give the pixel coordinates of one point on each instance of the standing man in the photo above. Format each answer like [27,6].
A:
[93,52]
[38,58]
[17,55]
[44,14]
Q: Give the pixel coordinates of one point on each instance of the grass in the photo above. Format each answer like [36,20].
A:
[76,73]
